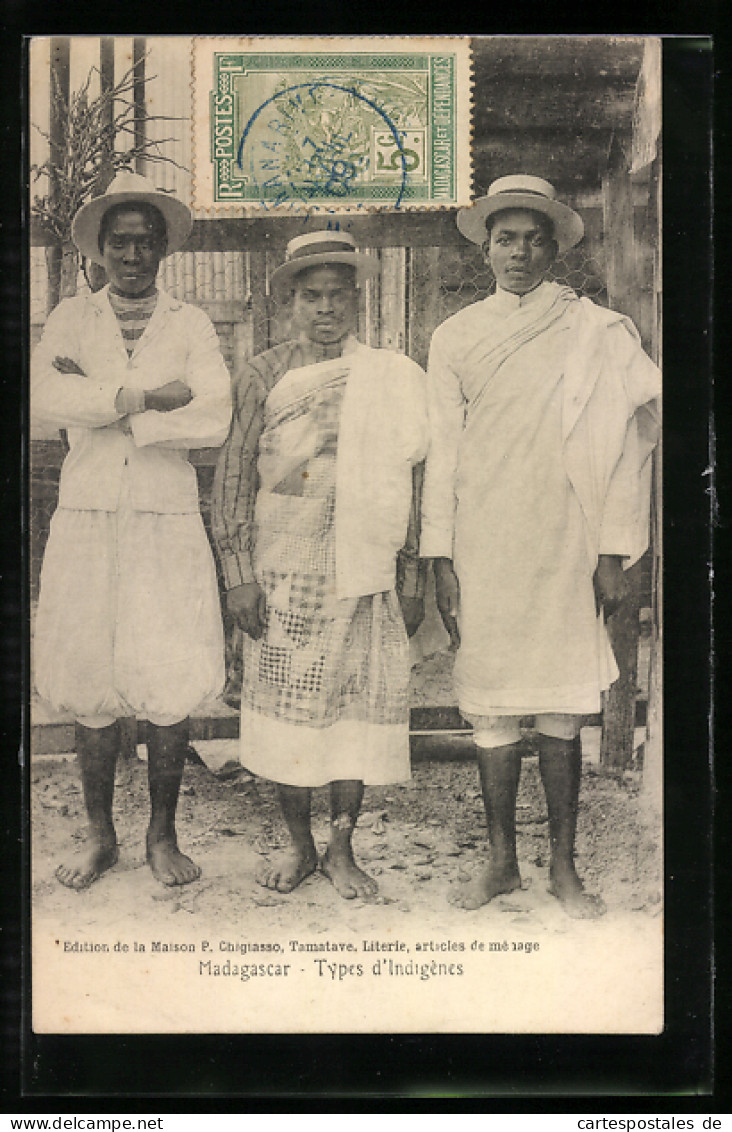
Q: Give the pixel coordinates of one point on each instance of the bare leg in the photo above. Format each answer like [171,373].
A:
[560,764]
[500,770]
[290,868]
[337,863]
[166,747]
[96,750]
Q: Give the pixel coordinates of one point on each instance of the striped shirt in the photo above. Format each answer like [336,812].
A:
[133,316]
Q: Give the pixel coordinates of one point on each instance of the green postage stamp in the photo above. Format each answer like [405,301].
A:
[282,125]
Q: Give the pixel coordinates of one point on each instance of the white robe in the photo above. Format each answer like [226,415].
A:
[538,463]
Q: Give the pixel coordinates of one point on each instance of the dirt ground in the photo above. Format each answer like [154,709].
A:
[416,838]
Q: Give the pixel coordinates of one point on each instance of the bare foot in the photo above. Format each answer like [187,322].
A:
[288,869]
[168,864]
[88,864]
[568,889]
[490,882]
[344,874]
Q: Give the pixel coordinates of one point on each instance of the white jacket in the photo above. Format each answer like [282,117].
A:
[179,343]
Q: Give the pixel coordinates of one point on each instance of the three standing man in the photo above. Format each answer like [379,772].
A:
[538,422]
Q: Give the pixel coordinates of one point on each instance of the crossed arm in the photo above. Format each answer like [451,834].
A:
[172,395]
[95,395]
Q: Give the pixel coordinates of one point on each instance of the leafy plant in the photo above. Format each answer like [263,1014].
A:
[85,158]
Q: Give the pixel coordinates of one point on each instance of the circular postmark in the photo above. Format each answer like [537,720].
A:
[318,143]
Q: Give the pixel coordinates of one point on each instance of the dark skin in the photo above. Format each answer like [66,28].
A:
[132,252]
[166,751]
[132,249]
[324,312]
[520,249]
[96,752]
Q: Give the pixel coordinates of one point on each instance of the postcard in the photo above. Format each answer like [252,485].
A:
[345,535]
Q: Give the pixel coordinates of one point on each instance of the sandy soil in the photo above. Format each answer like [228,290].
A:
[416,838]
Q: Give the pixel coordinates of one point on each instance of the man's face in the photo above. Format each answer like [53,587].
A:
[520,249]
[324,304]
[131,254]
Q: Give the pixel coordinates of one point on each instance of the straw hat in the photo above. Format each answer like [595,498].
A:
[522,191]
[316,249]
[129,188]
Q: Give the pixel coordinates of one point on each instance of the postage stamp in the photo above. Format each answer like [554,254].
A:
[330,125]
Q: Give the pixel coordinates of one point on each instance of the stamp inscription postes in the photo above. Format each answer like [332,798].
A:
[330,125]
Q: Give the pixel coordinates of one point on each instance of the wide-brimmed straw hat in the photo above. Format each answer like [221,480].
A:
[317,249]
[522,191]
[129,188]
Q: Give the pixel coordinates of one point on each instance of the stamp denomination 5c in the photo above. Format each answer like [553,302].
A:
[330,124]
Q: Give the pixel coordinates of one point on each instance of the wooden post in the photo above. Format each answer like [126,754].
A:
[391,313]
[653,751]
[106,83]
[619,233]
[424,301]
[259,301]
[59,103]
[59,98]
[138,99]
[616,748]
[243,337]
[653,755]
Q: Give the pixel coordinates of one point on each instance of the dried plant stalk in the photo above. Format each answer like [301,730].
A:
[86,157]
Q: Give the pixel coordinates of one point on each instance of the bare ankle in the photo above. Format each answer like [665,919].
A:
[101,831]
[563,868]
[503,863]
[161,835]
[303,847]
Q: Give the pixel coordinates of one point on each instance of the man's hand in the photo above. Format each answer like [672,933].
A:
[447,593]
[412,612]
[66,365]
[247,605]
[610,584]
[165,398]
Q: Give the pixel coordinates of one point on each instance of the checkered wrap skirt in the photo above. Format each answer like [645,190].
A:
[324,693]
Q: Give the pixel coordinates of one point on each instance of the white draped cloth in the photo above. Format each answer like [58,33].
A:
[542,415]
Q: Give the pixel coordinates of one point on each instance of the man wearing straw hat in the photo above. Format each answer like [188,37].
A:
[543,418]
[311,509]
[128,619]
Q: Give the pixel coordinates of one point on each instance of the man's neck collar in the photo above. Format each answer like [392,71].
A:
[510,300]
[317,353]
